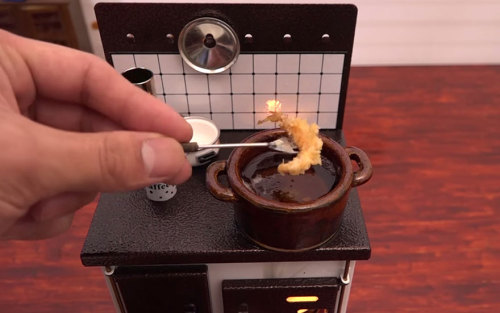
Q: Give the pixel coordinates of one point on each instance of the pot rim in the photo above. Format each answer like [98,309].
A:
[236,182]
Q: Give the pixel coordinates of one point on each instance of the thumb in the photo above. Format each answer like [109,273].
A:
[110,161]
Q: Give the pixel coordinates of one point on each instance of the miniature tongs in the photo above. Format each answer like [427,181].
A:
[282,144]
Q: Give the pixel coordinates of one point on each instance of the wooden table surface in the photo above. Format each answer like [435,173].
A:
[432,207]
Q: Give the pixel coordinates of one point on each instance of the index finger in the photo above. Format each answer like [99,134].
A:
[69,75]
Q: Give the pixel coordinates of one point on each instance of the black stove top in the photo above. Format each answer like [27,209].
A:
[194,227]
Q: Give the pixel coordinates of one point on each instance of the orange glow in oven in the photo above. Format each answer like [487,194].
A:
[302,299]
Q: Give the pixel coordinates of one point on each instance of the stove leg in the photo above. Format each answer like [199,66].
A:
[113,290]
[345,280]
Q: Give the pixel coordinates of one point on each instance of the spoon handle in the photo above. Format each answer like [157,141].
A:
[194,146]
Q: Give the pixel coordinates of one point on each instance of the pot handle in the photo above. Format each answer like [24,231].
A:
[212,180]
[365,171]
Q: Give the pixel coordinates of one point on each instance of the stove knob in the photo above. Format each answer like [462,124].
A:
[209,45]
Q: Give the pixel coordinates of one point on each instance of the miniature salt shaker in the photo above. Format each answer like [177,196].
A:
[160,192]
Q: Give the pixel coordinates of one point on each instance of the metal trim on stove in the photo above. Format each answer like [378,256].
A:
[228,285]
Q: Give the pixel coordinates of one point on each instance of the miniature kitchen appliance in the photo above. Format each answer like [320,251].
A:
[205,132]
[187,254]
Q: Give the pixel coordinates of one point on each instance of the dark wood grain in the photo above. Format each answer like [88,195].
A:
[432,207]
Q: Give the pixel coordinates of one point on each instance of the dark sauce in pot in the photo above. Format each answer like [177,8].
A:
[261,176]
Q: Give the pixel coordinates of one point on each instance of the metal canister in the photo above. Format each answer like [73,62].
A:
[141,77]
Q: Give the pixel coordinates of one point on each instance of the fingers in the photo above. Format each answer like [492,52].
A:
[68,75]
[16,85]
[49,217]
[29,229]
[60,205]
[108,161]
[73,117]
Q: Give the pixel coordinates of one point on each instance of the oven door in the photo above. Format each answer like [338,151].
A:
[160,289]
[289,295]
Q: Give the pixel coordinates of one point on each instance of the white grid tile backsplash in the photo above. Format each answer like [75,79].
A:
[219,83]
[178,102]
[264,63]
[149,61]
[243,103]
[242,83]
[244,64]
[123,62]
[196,84]
[243,120]
[311,63]
[308,103]
[221,103]
[264,83]
[173,84]
[307,85]
[288,63]
[287,83]
[169,63]
[199,103]
[158,84]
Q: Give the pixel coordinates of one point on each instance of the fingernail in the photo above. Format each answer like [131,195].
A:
[155,153]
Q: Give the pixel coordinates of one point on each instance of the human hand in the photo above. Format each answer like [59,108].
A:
[71,126]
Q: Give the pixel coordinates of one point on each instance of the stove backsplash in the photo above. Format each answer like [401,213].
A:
[307,85]
[299,54]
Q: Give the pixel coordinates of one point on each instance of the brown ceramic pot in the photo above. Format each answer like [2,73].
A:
[288,226]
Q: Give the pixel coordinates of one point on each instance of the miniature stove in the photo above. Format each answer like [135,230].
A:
[186,254]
